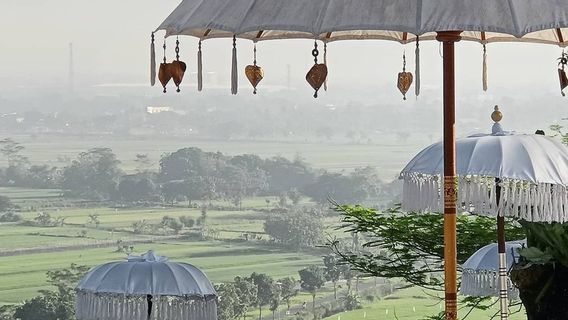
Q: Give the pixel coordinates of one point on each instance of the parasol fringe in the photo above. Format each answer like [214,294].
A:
[543,202]
[417,68]
[152,62]
[484,76]
[234,72]
[199,69]
[111,306]
[485,283]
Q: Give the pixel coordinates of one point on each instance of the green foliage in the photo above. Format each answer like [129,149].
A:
[546,243]
[93,175]
[139,227]
[7,312]
[266,289]
[332,270]
[411,246]
[228,300]
[297,228]
[11,150]
[359,186]
[312,279]
[352,301]
[139,187]
[288,289]
[5,204]
[247,292]
[44,219]
[10,217]
[171,223]
[94,220]
[186,221]
[54,305]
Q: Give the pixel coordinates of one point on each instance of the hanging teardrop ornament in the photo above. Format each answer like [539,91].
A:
[164,73]
[177,68]
[404,79]
[318,73]
[254,73]
[562,72]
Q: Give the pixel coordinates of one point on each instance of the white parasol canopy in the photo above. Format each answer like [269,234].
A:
[145,287]
[533,170]
[480,273]
[399,20]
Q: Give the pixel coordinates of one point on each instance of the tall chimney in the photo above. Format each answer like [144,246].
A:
[71,69]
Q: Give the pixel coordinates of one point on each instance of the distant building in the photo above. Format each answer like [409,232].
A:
[152,110]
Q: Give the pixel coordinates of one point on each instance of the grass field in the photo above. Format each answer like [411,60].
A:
[23,275]
[412,304]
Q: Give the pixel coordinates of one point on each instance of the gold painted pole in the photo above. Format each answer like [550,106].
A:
[448,39]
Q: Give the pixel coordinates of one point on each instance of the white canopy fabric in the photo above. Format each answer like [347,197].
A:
[148,287]
[543,21]
[148,274]
[533,170]
[480,273]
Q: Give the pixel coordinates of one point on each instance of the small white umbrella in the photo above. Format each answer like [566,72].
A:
[480,273]
[499,174]
[145,287]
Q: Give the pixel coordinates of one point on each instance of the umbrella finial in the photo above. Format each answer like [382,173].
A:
[496,115]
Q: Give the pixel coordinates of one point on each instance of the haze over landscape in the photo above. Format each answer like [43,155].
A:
[96,164]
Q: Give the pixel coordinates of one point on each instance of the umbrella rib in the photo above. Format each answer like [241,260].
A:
[105,275]
[174,276]
[560,37]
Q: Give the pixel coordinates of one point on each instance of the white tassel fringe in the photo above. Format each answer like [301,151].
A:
[105,306]
[485,283]
[542,202]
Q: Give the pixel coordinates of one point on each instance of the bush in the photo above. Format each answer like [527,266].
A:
[10,217]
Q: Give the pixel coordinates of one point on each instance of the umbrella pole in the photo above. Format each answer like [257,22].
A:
[503,301]
[449,38]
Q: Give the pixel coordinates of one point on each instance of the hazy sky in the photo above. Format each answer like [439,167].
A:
[111,41]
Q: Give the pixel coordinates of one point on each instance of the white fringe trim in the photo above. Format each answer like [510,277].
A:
[523,200]
[485,283]
[107,306]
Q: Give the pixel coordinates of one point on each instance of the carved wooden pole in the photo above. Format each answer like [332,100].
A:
[448,39]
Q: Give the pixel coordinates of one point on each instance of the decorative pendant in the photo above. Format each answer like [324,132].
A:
[562,73]
[404,78]
[254,73]
[318,73]
[164,74]
[316,77]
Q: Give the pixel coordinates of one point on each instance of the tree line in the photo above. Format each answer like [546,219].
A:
[190,174]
